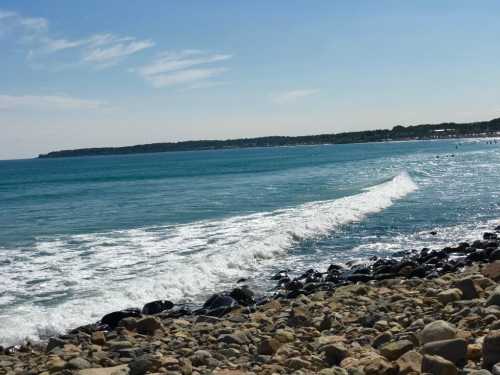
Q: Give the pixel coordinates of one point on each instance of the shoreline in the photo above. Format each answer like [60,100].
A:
[362,319]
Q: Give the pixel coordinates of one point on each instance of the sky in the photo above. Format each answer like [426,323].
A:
[110,73]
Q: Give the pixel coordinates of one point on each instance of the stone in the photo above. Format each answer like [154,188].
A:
[436,365]
[55,363]
[78,363]
[115,370]
[237,338]
[492,270]
[55,342]
[449,295]
[334,371]
[496,369]
[284,336]
[410,362]
[468,288]
[297,363]
[112,319]
[244,296]
[219,305]
[334,353]
[437,331]
[494,298]
[268,346]
[201,358]
[148,325]
[381,339]
[491,349]
[454,350]
[474,352]
[298,318]
[141,365]
[157,307]
[380,366]
[98,338]
[394,350]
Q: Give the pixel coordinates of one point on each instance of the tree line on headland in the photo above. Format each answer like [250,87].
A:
[397,133]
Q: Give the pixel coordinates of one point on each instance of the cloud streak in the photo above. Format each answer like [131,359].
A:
[101,49]
[47,103]
[292,95]
[191,67]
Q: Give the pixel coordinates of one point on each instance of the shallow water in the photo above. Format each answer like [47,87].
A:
[80,237]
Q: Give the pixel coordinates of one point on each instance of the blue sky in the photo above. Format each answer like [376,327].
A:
[102,73]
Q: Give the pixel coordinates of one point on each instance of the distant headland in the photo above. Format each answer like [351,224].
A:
[397,133]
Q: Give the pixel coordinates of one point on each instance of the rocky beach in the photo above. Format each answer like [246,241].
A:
[418,312]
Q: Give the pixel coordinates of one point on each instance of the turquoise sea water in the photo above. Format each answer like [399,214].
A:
[80,237]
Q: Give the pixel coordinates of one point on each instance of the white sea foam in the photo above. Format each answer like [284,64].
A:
[70,281]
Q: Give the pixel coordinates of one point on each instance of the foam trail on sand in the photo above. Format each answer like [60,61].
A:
[74,280]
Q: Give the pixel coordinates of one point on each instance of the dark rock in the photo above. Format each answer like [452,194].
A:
[54,342]
[148,325]
[494,255]
[218,305]
[156,307]
[468,288]
[112,319]
[477,256]
[394,350]
[491,349]
[454,350]
[244,296]
[436,365]
[490,236]
[334,353]
[141,365]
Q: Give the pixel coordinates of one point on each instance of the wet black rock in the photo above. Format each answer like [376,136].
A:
[490,236]
[218,305]
[157,307]
[111,320]
[244,296]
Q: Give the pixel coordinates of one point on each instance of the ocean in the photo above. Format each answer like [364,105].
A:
[81,237]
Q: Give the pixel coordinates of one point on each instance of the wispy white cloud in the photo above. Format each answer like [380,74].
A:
[184,76]
[47,103]
[291,96]
[184,67]
[102,49]
[112,53]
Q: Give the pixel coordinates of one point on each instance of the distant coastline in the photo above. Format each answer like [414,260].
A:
[397,133]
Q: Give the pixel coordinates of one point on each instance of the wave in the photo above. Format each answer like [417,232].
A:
[74,280]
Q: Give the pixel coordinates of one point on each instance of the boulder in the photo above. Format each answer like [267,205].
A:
[334,353]
[238,338]
[244,296]
[112,319]
[436,365]
[394,350]
[494,298]
[78,363]
[218,305]
[268,346]
[454,350]
[492,270]
[410,362]
[491,349]
[468,288]
[437,331]
[449,295]
[157,307]
[148,325]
